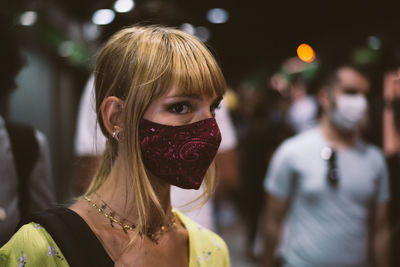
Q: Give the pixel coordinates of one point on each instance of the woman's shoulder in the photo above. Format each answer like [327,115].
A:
[206,247]
[31,245]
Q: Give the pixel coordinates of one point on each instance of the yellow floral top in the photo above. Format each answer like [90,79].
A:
[32,245]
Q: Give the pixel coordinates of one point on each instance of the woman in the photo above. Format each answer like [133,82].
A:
[156,93]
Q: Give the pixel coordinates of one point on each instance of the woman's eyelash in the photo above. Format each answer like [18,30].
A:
[185,107]
[179,107]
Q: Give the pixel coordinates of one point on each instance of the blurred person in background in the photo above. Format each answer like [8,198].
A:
[157,90]
[391,128]
[26,181]
[303,109]
[327,189]
[252,128]
[269,116]
[261,124]
[291,109]
[292,83]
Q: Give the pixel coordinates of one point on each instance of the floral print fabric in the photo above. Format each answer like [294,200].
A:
[32,245]
[206,248]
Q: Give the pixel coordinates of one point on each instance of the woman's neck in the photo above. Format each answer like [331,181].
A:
[117,193]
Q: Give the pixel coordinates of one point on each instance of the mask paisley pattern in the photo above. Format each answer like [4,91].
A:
[181,155]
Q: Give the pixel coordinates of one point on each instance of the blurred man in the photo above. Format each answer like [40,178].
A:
[26,182]
[328,189]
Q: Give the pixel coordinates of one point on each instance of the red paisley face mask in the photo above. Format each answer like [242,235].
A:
[181,155]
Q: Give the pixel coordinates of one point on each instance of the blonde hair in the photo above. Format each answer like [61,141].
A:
[137,65]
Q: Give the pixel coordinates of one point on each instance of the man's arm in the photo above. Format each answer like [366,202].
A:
[274,213]
[381,236]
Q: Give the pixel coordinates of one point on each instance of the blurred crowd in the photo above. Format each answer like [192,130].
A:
[308,164]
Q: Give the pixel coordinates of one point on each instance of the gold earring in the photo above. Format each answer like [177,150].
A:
[117,134]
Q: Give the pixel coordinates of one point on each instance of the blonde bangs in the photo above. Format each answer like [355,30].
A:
[193,70]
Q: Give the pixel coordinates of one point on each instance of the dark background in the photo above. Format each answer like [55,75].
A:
[258,33]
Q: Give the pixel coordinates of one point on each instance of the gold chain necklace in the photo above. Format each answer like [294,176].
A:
[153,234]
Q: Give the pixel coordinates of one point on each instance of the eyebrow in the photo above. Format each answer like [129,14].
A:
[194,96]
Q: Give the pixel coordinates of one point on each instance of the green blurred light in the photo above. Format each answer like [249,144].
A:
[365,56]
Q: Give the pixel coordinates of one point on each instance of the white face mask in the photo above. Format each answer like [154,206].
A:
[349,112]
[303,114]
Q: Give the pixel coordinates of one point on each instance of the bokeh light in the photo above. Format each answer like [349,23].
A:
[202,33]
[188,28]
[66,48]
[91,31]
[103,16]
[306,53]
[374,42]
[123,6]
[28,18]
[217,15]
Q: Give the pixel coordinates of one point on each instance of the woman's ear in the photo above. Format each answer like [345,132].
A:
[111,112]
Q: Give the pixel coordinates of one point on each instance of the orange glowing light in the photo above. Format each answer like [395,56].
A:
[306,53]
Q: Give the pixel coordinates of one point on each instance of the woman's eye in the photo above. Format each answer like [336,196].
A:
[180,108]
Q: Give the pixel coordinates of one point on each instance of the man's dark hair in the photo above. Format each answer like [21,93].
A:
[11,60]
[328,75]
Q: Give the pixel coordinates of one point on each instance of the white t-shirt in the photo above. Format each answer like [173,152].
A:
[89,140]
[326,226]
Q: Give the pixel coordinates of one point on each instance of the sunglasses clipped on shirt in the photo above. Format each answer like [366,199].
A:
[329,155]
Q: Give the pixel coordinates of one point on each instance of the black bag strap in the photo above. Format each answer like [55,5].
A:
[73,236]
[25,150]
